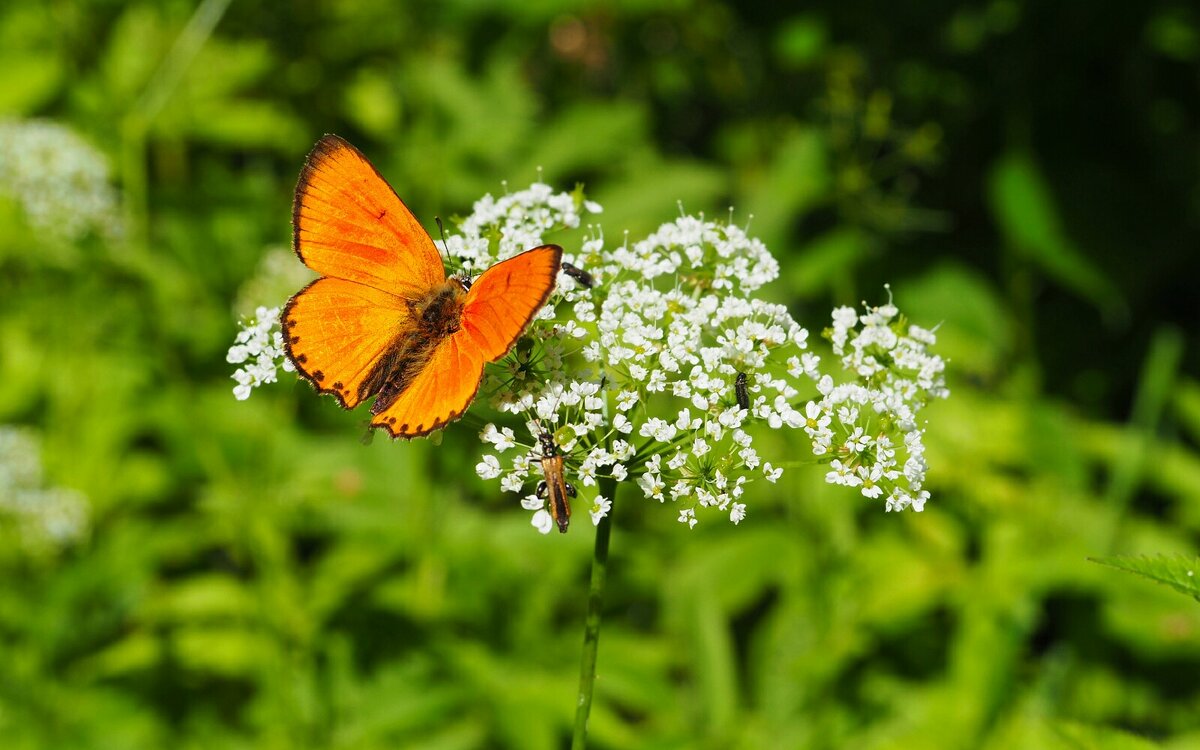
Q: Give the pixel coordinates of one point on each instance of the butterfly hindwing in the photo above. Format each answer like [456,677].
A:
[335,331]
[502,301]
[349,224]
[439,394]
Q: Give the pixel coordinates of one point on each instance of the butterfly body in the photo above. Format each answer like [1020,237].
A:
[384,321]
[434,317]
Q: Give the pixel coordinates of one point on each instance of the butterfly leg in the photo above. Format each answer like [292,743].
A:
[541,489]
[570,489]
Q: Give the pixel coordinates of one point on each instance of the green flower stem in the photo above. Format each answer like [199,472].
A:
[591,630]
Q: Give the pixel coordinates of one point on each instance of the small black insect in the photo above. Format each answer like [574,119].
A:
[739,390]
[583,277]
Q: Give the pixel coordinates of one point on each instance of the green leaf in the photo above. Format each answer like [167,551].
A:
[1177,571]
[974,329]
[797,179]
[828,260]
[1186,398]
[587,136]
[1024,207]
[30,80]
[1101,738]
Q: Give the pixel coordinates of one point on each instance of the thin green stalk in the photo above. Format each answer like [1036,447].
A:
[158,92]
[1160,370]
[591,631]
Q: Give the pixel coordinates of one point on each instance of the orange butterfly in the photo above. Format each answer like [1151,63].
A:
[383,320]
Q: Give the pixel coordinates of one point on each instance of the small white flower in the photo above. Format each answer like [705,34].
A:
[622,424]
[512,482]
[870,480]
[659,429]
[771,473]
[503,439]
[542,521]
[840,473]
[488,468]
[600,509]
[652,486]
[688,516]
[737,512]
[626,399]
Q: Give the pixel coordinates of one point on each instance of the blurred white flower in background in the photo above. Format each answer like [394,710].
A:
[277,277]
[43,517]
[59,179]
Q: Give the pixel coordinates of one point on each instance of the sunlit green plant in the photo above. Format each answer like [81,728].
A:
[654,365]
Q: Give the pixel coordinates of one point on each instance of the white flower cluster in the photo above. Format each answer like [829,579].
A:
[259,348]
[704,254]
[42,516]
[500,228]
[60,180]
[867,429]
[656,372]
[653,363]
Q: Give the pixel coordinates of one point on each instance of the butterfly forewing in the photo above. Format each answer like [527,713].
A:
[349,224]
[503,301]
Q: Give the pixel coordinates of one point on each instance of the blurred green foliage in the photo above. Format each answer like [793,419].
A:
[252,576]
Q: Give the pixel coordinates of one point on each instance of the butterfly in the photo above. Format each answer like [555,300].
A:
[384,321]
[554,486]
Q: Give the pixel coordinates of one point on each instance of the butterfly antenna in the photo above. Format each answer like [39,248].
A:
[445,248]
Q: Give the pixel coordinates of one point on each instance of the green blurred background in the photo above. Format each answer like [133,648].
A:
[181,570]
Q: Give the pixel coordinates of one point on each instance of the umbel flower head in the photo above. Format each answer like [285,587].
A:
[60,180]
[259,349]
[867,427]
[655,363]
